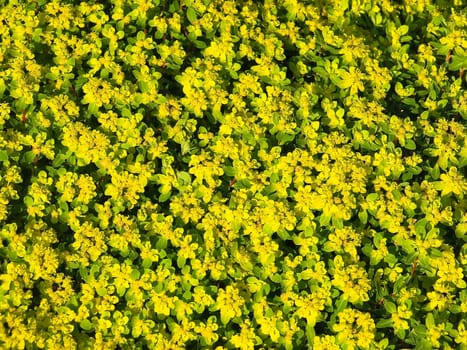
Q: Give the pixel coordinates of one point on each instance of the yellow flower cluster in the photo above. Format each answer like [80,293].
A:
[355,329]
[221,174]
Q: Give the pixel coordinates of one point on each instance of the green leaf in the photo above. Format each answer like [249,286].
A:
[143,85]
[406,38]
[435,252]
[135,274]
[59,159]
[386,323]
[366,249]
[310,333]
[146,264]
[390,259]
[175,6]
[341,304]
[28,157]
[192,36]
[320,71]
[225,317]
[2,87]
[420,227]
[120,290]
[229,170]
[420,330]
[29,201]
[410,145]
[86,325]
[94,271]
[161,243]
[337,222]
[377,239]
[242,184]
[410,101]
[403,29]
[84,273]
[101,291]
[191,15]
[93,109]
[363,216]
[458,62]
[276,278]
[3,156]
[104,73]
[324,220]
[200,44]
[184,178]
[390,307]
[336,80]
[435,172]
[80,81]
[328,247]
[430,321]
[185,147]
[164,197]
[383,344]
[181,261]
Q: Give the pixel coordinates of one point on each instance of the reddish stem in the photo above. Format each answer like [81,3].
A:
[414,267]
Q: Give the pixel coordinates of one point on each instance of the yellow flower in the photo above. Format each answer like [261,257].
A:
[400,318]
[187,249]
[220,49]
[187,207]
[182,310]
[162,303]
[4,112]
[355,328]
[448,270]
[461,337]
[325,342]
[230,303]
[200,297]
[452,182]
[43,261]
[353,47]
[440,301]
[208,331]
[310,306]
[344,240]
[182,333]
[89,241]
[246,340]
[268,326]
[434,333]
[352,79]
[352,280]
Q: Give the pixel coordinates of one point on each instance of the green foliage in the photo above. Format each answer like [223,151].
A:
[210,174]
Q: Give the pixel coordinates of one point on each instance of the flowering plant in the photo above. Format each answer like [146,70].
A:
[224,174]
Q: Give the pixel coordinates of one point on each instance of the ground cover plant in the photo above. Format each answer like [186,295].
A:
[219,174]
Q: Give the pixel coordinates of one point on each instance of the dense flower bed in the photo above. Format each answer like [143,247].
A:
[233,174]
